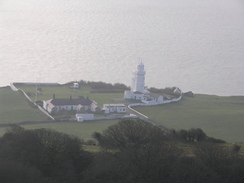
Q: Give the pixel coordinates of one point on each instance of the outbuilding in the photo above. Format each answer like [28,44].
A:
[55,105]
[114,108]
[83,117]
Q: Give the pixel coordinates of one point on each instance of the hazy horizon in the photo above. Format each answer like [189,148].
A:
[195,45]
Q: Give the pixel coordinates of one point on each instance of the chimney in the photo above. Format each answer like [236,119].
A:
[53,96]
[70,97]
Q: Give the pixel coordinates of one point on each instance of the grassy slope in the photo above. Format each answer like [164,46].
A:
[66,92]
[82,130]
[219,117]
[15,108]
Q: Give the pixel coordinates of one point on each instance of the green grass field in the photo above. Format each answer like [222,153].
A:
[82,130]
[219,117]
[14,108]
[63,91]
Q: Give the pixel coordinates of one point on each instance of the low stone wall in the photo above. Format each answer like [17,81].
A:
[103,118]
[116,117]
[13,87]
[156,103]
[29,99]
[151,104]
[137,104]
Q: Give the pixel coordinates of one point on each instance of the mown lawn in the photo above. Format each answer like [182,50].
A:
[15,108]
[219,117]
[63,91]
[82,130]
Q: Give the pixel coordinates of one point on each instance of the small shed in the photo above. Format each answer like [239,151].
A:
[189,94]
[83,117]
[114,108]
[76,85]
[177,90]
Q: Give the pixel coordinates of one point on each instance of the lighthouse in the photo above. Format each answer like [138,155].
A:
[138,79]
[137,91]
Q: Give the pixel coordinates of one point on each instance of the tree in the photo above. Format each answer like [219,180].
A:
[139,152]
[183,134]
[130,133]
[54,154]
[12,172]
[136,151]
[235,149]
[187,169]
[192,135]
[221,161]
[197,134]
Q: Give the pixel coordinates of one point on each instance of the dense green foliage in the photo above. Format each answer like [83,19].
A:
[129,133]
[193,135]
[54,156]
[136,151]
[132,151]
[102,87]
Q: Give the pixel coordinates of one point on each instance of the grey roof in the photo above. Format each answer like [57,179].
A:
[155,95]
[61,102]
[137,92]
[114,105]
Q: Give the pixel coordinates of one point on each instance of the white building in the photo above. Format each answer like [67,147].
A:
[76,85]
[138,79]
[153,98]
[138,91]
[114,108]
[138,84]
[80,104]
[82,117]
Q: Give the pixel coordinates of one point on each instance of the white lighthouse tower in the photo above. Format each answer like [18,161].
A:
[137,91]
[138,79]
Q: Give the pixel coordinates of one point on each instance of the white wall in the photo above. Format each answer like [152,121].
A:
[121,109]
[110,108]
[66,107]
[84,117]
[149,103]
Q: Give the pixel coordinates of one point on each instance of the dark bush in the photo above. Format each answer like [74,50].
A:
[56,155]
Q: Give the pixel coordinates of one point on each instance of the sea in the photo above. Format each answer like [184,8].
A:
[196,45]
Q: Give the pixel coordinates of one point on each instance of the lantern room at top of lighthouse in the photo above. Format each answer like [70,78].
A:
[140,67]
